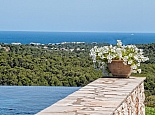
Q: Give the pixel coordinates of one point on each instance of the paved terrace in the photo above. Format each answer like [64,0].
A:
[101,97]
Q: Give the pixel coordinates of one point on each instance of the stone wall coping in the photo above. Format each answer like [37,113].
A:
[100,97]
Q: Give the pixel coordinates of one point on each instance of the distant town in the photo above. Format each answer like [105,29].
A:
[64,46]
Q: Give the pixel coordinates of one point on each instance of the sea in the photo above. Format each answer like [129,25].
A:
[28,100]
[26,37]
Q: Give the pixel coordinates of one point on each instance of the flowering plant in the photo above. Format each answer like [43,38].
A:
[130,55]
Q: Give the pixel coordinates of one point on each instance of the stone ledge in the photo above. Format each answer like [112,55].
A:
[101,97]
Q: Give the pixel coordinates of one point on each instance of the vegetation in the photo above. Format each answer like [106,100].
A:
[149,111]
[28,65]
[67,64]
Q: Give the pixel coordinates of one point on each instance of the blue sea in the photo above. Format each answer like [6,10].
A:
[29,100]
[26,37]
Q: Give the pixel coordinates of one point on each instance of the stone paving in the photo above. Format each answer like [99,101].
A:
[101,97]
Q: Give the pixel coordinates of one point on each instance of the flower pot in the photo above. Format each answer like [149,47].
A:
[118,69]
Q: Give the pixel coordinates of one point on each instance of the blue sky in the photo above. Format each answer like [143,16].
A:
[78,15]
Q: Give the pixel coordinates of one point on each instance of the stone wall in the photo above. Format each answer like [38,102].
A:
[104,96]
[133,104]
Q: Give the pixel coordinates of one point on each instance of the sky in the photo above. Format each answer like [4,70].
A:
[78,15]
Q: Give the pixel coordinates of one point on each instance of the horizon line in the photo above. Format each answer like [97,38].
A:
[75,31]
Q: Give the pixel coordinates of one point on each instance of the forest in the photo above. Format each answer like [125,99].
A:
[65,64]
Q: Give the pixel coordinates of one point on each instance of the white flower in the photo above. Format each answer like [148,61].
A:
[113,50]
[110,46]
[133,67]
[131,54]
[119,43]
[144,59]
[138,64]
[136,49]
[130,62]
[136,57]
[139,70]
[141,51]
[109,57]
[100,54]
[118,49]
[129,46]
[139,60]
[125,58]
[109,61]
[103,63]
[105,49]
[102,57]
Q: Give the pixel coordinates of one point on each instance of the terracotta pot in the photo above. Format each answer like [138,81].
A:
[118,69]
